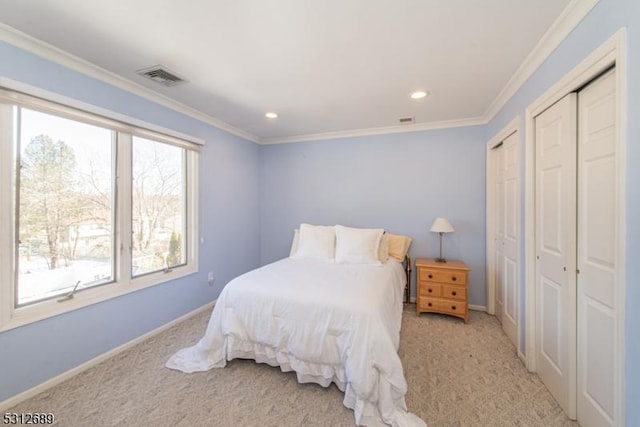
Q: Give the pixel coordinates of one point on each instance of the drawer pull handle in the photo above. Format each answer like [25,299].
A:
[453,293]
[430,290]
[453,278]
[429,304]
[430,276]
[453,307]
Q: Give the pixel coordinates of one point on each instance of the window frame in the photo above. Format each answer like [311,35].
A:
[124,128]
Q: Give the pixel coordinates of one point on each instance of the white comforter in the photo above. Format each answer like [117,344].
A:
[328,322]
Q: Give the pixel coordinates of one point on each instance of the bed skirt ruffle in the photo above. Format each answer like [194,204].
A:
[390,409]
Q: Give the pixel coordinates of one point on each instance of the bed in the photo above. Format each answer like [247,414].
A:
[326,319]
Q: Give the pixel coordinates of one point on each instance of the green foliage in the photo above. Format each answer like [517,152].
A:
[175,250]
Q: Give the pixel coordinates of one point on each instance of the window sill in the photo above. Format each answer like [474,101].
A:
[49,308]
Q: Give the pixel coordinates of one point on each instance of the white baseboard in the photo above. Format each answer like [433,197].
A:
[27,394]
[522,357]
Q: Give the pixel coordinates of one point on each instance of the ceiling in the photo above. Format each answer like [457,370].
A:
[326,67]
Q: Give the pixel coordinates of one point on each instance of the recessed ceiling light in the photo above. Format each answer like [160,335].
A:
[271,115]
[419,94]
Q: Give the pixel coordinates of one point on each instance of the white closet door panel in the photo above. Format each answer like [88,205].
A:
[599,206]
[510,238]
[511,207]
[551,319]
[499,238]
[510,307]
[506,235]
[596,372]
[555,131]
[597,258]
[552,223]
[597,225]
[499,271]
[500,177]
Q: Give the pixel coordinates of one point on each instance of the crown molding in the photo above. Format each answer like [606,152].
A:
[45,50]
[570,17]
[445,124]
[84,107]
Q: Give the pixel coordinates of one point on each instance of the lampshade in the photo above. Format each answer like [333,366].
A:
[442,225]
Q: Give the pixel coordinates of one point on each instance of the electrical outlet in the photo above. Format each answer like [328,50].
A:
[210,278]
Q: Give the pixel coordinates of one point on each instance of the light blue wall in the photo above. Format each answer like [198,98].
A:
[229,224]
[603,21]
[400,182]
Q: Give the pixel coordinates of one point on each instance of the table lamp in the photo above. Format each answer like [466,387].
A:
[441,225]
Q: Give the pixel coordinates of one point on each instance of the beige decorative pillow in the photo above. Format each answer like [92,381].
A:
[398,245]
[383,249]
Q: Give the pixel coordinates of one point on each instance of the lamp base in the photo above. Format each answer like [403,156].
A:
[441,260]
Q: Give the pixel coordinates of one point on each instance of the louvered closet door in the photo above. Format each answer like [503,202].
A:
[597,258]
[555,131]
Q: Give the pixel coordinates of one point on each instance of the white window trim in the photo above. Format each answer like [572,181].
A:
[11,316]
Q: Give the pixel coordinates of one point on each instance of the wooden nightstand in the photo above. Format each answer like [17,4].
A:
[442,287]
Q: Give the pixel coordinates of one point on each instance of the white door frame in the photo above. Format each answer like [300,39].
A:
[612,52]
[512,127]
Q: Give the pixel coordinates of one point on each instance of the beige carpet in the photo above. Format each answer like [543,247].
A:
[458,375]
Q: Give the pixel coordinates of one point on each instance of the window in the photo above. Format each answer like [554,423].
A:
[64,205]
[92,208]
[158,202]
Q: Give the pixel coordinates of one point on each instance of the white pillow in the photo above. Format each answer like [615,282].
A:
[294,244]
[357,245]
[316,241]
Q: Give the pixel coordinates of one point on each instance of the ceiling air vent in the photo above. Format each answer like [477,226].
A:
[406,120]
[161,74]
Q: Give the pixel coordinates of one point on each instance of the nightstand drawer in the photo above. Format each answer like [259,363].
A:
[443,306]
[455,292]
[430,289]
[432,275]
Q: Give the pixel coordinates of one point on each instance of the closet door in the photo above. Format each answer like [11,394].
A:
[597,258]
[499,237]
[555,131]
[577,231]
[506,256]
